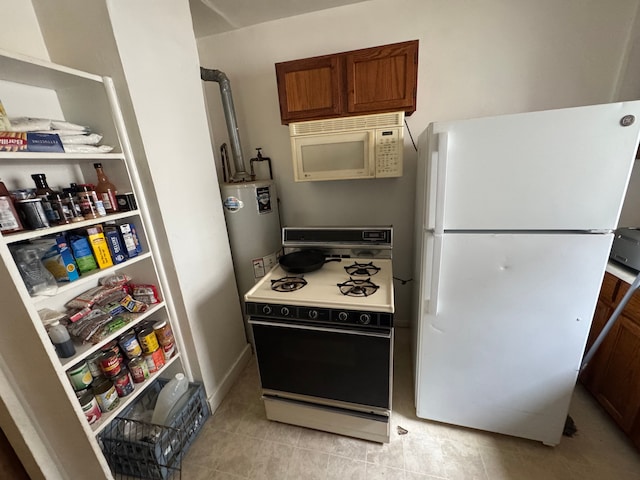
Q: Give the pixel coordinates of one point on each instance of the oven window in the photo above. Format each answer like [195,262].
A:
[337,366]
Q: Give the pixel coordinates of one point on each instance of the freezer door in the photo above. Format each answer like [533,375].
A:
[502,348]
[562,169]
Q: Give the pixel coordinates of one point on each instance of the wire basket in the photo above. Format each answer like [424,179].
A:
[138,449]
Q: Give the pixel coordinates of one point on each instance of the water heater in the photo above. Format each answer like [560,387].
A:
[253,224]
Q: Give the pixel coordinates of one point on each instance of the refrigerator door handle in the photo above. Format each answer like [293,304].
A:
[437,182]
[431,269]
[432,190]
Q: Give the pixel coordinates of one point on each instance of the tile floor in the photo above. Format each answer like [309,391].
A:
[238,442]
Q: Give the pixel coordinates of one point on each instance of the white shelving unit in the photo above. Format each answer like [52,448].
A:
[33,381]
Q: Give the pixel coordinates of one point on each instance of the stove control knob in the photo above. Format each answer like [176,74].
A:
[266,310]
[313,314]
[343,316]
[365,319]
[284,311]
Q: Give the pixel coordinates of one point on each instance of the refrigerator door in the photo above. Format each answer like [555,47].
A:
[503,326]
[552,170]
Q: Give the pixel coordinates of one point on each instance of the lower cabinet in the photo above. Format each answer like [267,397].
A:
[613,375]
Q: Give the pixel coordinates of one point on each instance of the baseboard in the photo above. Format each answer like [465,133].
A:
[230,378]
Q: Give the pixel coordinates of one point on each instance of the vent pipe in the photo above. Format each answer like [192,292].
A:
[208,75]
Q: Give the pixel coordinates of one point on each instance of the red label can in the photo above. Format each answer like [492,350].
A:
[155,360]
[123,383]
[168,350]
[110,364]
[139,369]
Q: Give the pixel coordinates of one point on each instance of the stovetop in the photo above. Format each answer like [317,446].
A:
[321,289]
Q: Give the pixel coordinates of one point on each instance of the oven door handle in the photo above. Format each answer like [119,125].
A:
[321,329]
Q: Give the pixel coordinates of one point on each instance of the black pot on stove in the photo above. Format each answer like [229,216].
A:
[304,261]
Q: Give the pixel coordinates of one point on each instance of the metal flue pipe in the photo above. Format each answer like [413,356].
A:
[209,75]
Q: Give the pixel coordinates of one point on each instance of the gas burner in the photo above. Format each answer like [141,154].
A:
[288,284]
[362,269]
[358,287]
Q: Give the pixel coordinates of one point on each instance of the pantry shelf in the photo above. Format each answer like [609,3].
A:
[90,278]
[31,234]
[83,351]
[104,420]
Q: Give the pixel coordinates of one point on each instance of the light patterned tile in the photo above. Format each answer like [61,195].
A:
[283,433]
[228,416]
[387,454]
[272,462]
[317,440]
[208,448]
[240,455]
[341,468]
[353,448]
[254,423]
[424,455]
[380,472]
[307,464]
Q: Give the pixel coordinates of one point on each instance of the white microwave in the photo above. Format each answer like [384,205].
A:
[365,146]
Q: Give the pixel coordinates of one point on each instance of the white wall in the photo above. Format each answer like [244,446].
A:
[476,58]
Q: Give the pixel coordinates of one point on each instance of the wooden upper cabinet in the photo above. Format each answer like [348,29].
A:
[310,88]
[371,80]
[382,78]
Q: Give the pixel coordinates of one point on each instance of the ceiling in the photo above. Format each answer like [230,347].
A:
[216,16]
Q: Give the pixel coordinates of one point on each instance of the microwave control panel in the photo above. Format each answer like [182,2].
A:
[389,149]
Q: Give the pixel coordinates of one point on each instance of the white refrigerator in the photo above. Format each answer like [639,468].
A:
[514,221]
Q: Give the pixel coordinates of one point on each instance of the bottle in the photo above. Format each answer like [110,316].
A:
[106,190]
[85,199]
[168,397]
[61,340]
[43,191]
[9,219]
[42,188]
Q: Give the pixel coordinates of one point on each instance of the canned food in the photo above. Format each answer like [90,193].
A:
[168,350]
[123,383]
[90,407]
[163,332]
[139,369]
[93,361]
[83,392]
[106,395]
[148,340]
[129,343]
[112,346]
[110,364]
[155,360]
[32,213]
[80,376]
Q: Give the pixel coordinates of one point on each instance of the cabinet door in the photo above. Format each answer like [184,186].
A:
[382,78]
[309,88]
[604,309]
[618,388]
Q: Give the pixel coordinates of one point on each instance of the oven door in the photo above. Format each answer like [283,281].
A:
[328,363]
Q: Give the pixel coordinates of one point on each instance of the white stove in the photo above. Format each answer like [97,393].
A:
[324,339]
[322,290]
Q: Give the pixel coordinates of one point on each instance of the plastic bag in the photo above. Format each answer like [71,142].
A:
[37,279]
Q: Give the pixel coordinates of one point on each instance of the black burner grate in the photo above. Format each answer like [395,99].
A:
[358,287]
[288,284]
[362,269]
